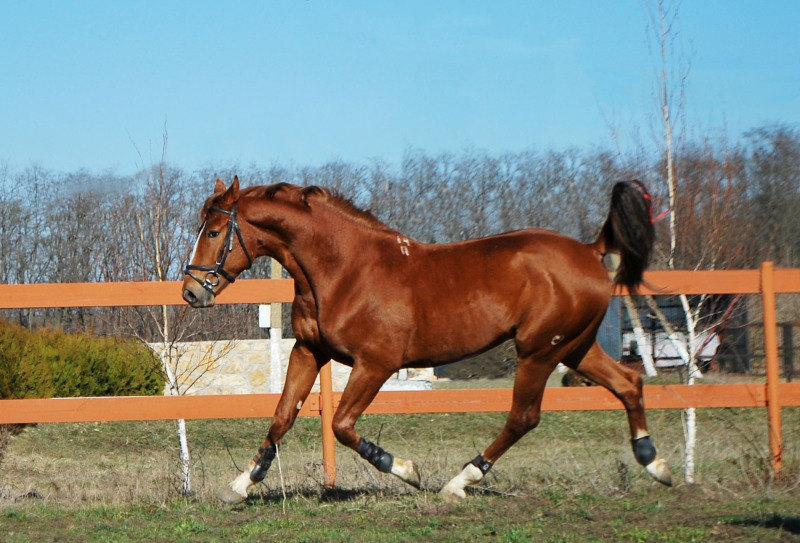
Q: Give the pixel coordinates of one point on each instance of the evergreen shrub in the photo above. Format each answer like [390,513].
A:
[48,363]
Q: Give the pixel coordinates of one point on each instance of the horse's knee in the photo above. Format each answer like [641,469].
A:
[344,431]
[629,390]
[340,430]
[522,423]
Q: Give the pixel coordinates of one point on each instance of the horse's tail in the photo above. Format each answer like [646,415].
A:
[629,231]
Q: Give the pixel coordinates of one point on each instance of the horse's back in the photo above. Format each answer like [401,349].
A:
[522,256]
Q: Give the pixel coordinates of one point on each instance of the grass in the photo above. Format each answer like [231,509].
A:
[572,479]
[677,515]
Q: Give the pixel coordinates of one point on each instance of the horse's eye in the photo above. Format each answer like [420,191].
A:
[213,233]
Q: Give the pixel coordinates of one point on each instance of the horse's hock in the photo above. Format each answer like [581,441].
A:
[245,367]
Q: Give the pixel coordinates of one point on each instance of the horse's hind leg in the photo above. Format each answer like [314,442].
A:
[525,413]
[626,385]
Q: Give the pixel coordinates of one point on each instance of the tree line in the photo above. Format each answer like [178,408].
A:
[737,205]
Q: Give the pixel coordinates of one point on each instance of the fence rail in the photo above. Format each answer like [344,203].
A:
[239,406]
[765,282]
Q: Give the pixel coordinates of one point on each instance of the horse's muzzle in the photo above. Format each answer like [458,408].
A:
[198,297]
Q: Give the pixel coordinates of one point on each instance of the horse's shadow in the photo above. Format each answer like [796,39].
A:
[790,524]
[339,495]
[328,495]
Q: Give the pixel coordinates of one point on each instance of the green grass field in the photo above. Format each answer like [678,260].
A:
[572,479]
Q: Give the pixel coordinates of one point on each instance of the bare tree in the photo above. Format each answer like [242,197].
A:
[774,177]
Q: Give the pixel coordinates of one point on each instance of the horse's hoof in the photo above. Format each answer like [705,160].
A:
[407,471]
[452,494]
[659,470]
[231,497]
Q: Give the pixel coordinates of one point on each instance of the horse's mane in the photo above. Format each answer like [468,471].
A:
[311,195]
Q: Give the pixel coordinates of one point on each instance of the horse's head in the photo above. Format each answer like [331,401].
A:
[220,253]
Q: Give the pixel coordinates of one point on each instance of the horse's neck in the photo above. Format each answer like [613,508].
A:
[328,241]
[287,260]
[316,246]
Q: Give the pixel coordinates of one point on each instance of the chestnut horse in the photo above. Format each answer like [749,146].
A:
[371,298]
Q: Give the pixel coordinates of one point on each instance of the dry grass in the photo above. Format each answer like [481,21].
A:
[571,480]
[572,453]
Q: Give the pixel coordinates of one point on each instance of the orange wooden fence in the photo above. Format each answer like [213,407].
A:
[765,282]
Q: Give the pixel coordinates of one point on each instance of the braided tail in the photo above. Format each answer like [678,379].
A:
[629,231]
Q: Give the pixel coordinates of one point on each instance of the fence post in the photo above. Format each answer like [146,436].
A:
[326,412]
[771,352]
[275,336]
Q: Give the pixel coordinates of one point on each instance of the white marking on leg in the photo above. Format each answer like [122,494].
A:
[406,470]
[299,405]
[455,488]
[659,470]
[242,483]
[556,340]
[640,434]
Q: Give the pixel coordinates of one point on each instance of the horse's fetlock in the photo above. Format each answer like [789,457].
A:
[375,455]
[263,461]
[643,450]
[481,463]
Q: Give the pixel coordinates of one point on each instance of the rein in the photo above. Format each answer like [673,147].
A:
[211,279]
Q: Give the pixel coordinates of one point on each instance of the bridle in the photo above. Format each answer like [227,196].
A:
[211,279]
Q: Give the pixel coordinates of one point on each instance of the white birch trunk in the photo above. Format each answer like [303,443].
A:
[186,474]
[664,86]
[641,338]
[174,390]
[692,371]
[167,363]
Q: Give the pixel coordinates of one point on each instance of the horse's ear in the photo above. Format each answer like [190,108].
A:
[219,187]
[234,188]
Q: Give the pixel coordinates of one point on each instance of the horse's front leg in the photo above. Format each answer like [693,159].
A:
[303,368]
[361,388]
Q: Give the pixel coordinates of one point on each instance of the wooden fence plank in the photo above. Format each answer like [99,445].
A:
[246,291]
[581,398]
[125,408]
[787,280]
[141,293]
[232,406]
[701,282]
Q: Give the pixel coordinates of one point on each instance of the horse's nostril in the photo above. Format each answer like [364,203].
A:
[189,296]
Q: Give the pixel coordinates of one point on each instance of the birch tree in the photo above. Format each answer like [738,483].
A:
[704,191]
[670,80]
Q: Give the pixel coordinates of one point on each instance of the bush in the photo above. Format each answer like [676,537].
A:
[49,363]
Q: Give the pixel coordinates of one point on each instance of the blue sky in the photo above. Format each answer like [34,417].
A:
[92,84]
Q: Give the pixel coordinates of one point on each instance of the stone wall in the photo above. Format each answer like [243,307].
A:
[244,367]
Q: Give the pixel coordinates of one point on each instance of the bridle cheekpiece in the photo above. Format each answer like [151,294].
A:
[211,279]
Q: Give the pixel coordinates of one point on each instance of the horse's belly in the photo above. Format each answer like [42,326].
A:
[446,334]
